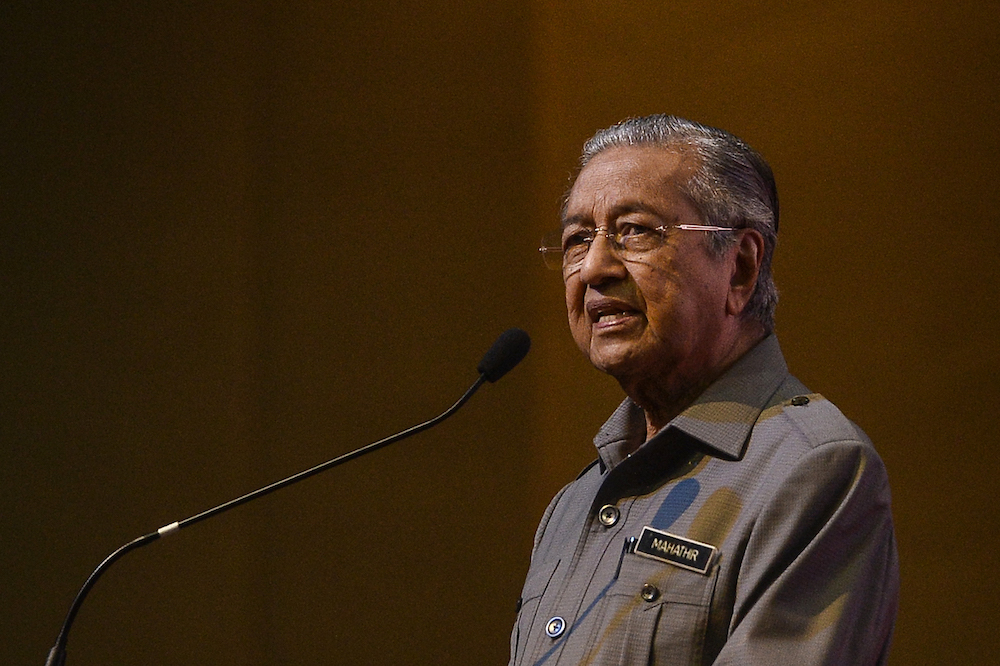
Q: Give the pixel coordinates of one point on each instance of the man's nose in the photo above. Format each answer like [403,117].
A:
[602,262]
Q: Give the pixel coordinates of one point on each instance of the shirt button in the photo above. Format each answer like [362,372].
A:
[800,400]
[609,515]
[555,627]
[650,592]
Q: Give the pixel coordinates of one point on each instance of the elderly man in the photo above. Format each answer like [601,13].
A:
[732,516]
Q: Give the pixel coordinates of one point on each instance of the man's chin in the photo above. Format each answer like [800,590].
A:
[614,361]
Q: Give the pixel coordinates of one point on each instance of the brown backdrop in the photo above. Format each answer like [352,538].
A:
[238,241]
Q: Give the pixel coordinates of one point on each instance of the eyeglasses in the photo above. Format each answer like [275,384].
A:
[566,250]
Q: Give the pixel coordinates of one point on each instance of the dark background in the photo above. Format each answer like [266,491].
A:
[241,238]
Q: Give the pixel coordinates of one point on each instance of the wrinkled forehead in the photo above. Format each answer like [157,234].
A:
[645,177]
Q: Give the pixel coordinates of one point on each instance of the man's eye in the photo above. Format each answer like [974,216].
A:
[577,239]
[635,231]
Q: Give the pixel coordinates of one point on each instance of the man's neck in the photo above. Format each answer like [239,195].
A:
[661,407]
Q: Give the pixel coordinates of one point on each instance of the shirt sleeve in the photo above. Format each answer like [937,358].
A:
[819,579]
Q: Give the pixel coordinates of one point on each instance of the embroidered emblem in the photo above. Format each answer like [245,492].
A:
[681,552]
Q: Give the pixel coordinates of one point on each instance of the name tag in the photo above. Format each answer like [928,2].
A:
[681,552]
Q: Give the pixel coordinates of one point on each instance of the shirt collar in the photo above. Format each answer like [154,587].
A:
[720,419]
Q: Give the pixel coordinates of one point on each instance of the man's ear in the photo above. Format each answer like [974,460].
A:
[747,255]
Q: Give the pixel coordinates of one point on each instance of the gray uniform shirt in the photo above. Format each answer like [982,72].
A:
[755,528]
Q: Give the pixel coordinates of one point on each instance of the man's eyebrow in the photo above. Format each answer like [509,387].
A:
[616,211]
[635,207]
[580,219]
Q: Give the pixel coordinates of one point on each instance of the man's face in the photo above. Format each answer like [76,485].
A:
[657,319]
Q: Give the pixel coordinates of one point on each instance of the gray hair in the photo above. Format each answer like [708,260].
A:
[731,186]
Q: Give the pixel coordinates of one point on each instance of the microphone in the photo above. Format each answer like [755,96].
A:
[509,349]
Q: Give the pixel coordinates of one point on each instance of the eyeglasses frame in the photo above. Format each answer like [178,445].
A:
[616,245]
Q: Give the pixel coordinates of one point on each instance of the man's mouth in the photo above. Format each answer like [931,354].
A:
[611,316]
[609,312]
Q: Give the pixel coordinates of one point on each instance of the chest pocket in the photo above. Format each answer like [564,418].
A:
[535,585]
[660,613]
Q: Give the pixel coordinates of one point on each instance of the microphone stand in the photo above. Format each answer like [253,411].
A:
[57,655]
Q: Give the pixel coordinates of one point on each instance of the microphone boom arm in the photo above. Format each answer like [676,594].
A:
[57,655]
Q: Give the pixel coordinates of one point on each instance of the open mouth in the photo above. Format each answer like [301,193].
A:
[608,317]
[609,312]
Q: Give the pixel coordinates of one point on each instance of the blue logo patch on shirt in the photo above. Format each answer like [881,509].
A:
[681,552]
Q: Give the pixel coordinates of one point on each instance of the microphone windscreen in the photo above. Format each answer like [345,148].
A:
[509,350]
